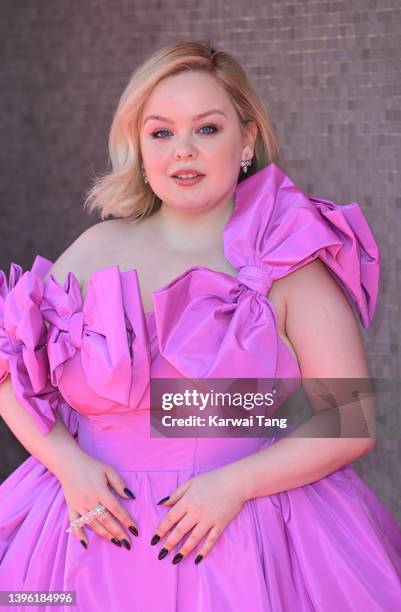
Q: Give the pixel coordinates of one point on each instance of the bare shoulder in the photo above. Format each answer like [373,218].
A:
[291,290]
[322,325]
[311,292]
[310,281]
[81,255]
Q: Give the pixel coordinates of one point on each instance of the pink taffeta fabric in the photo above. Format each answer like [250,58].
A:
[327,546]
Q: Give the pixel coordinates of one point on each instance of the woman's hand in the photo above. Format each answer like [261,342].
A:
[206,503]
[85,485]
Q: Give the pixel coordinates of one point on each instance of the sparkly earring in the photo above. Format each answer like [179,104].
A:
[145,178]
[245,163]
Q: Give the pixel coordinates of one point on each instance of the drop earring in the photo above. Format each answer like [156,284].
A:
[245,163]
[145,178]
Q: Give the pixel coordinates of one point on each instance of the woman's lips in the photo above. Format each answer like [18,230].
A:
[187,182]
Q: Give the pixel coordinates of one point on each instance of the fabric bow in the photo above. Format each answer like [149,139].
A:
[211,324]
[107,328]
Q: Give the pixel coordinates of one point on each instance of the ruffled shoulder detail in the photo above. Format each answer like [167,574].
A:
[107,329]
[211,324]
[23,339]
[278,228]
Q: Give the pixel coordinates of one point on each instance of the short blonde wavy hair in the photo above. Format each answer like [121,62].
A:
[122,192]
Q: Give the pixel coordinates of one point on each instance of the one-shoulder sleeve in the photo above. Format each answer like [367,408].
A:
[23,346]
[286,229]
[211,324]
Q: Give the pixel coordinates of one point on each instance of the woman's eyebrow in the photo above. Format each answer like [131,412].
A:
[166,120]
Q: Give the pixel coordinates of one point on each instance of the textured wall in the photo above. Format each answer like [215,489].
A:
[329,73]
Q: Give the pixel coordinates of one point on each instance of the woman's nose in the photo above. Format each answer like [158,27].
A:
[184,150]
[184,155]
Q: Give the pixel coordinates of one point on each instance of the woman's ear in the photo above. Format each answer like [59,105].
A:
[250,132]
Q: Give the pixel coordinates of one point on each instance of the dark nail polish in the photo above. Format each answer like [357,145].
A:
[163,552]
[155,539]
[126,543]
[133,530]
[129,493]
[163,500]
[116,542]
[84,544]
[178,558]
[198,559]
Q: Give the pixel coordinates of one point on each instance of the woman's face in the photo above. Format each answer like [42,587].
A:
[212,145]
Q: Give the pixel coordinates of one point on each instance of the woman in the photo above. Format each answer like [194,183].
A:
[213,265]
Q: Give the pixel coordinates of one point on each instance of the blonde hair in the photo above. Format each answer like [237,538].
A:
[122,191]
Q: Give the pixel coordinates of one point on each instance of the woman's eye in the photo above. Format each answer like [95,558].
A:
[215,129]
[155,134]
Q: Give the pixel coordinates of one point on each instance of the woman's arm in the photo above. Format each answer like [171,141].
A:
[57,450]
[323,330]
[85,481]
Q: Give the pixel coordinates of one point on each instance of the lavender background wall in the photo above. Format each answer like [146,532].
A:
[329,73]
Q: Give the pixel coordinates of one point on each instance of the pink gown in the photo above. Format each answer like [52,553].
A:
[327,546]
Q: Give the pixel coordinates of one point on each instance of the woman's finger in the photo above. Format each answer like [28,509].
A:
[192,540]
[174,496]
[101,529]
[118,483]
[178,533]
[210,541]
[119,513]
[79,534]
[168,522]
[104,533]
[112,529]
